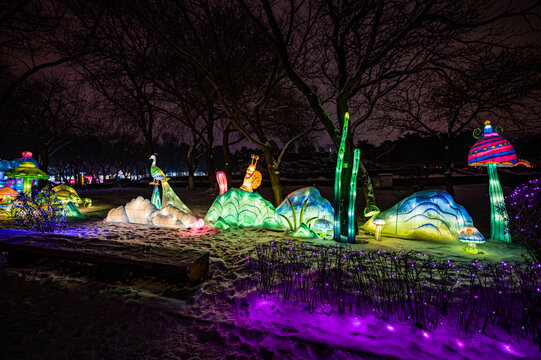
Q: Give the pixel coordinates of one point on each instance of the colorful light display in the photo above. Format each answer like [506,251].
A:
[338,186]
[338,178]
[239,208]
[156,173]
[309,204]
[6,165]
[7,194]
[222,181]
[157,176]
[353,196]
[425,215]
[66,194]
[252,179]
[471,236]
[492,151]
[27,171]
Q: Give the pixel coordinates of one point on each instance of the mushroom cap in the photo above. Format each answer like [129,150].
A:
[7,191]
[492,148]
[471,235]
[27,170]
[378,221]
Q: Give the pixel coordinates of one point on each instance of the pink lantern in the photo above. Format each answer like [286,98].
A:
[222,181]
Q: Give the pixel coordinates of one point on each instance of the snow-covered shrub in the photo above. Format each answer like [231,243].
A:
[38,212]
[402,286]
[524,209]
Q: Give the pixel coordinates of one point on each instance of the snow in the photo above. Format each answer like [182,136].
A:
[66,310]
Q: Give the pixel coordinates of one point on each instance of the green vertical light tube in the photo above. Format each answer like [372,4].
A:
[498,213]
[353,195]
[338,178]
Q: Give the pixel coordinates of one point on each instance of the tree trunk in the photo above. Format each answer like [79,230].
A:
[227,153]
[209,159]
[191,170]
[44,157]
[274,176]
[448,153]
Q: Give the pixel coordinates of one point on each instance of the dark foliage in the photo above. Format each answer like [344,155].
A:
[404,286]
[524,209]
[38,212]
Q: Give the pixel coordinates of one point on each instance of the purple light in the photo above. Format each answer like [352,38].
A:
[390,328]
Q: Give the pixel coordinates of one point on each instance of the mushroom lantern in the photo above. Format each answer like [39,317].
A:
[7,194]
[471,236]
[27,171]
[492,151]
[379,222]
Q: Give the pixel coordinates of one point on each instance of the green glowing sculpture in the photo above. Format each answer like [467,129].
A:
[156,199]
[338,178]
[239,208]
[338,186]
[353,195]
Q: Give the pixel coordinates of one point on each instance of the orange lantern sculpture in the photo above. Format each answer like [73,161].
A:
[252,179]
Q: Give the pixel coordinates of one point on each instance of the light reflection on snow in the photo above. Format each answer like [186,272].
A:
[194,231]
[507,348]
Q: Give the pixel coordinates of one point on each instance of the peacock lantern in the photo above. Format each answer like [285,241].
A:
[252,179]
[157,176]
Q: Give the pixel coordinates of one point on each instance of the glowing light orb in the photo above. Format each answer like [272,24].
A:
[199,223]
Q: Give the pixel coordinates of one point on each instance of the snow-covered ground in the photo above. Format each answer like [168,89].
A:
[58,310]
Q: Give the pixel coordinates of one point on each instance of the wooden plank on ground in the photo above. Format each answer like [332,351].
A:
[184,265]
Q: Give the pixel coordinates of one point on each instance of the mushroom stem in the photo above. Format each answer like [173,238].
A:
[378,232]
[498,213]
[472,248]
[27,186]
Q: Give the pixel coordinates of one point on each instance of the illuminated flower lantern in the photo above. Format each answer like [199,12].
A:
[471,236]
[27,171]
[252,179]
[7,194]
[492,151]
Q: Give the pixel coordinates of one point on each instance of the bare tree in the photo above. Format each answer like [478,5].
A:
[119,68]
[31,40]
[446,101]
[217,41]
[48,110]
[348,55]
